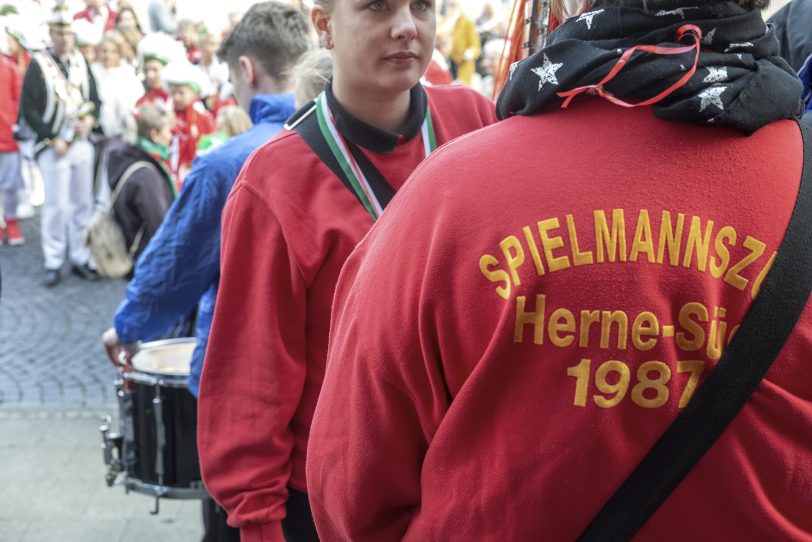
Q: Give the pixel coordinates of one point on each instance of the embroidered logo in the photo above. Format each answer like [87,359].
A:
[547,71]
[712,96]
[588,18]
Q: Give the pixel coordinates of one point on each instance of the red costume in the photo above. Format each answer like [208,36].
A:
[191,124]
[523,323]
[156,96]
[91,14]
[288,227]
[11,80]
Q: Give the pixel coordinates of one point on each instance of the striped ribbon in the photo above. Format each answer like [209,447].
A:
[340,149]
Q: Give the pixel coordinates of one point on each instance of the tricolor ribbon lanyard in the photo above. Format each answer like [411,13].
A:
[685,30]
[340,149]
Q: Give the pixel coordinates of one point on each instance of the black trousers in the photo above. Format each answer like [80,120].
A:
[214,524]
[298,525]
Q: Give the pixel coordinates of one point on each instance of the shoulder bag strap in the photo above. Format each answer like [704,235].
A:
[764,330]
[135,166]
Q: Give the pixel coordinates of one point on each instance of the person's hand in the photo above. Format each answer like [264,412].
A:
[119,354]
[84,126]
[60,147]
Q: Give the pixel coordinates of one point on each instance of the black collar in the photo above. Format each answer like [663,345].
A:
[375,139]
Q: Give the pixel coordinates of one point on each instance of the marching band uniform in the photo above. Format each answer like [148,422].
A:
[191,123]
[500,360]
[154,96]
[288,227]
[54,96]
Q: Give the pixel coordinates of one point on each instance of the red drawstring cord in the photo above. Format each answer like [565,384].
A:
[624,59]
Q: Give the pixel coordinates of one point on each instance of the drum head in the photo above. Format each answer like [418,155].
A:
[171,357]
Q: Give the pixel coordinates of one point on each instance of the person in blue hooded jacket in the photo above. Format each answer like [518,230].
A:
[180,267]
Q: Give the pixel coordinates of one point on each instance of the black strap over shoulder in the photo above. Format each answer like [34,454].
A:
[306,124]
[763,332]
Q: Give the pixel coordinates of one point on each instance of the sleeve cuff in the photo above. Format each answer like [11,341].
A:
[262,532]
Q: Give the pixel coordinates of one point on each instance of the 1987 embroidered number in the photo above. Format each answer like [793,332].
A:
[650,390]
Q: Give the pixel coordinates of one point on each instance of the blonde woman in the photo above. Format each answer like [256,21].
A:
[289,225]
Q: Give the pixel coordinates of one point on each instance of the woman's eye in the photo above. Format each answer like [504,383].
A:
[378,5]
[422,5]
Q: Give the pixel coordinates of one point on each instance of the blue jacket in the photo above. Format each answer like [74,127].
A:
[180,266]
[806,78]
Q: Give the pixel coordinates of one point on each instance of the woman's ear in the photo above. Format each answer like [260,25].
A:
[321,22]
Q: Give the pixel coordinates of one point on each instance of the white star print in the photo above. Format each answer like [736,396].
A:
[716,75]
[739,45]
[739,55]
[712,96]
[547,72]
[513,69]
[588,18]
[678,11]
[707,39]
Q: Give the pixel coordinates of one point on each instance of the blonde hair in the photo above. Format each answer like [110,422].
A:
[117,40]
[310,73]
[152,117]
[232,121]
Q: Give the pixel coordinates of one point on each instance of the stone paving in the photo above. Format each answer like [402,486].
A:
[55,383]
[50,339]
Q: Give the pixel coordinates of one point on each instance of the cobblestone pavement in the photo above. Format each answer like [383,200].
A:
[50,339]
[55,383]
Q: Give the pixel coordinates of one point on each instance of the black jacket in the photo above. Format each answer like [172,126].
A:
[145,197]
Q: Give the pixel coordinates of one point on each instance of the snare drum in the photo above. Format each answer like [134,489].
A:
[157,447]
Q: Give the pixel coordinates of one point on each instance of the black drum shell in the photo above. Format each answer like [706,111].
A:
[179,416]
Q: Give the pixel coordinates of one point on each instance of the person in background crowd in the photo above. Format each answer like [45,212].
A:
[465,47]
[805,75]
[213,72]
[15,38]
[187,34]
[288,227]
[127,18]
[311,74]
[792,24]
[98,13]
[61,104]
[149,191]
[19,33]
[11,174]
[87,38]
[192,122]
[154,52]
[231,121]
[119,89]
[490,64]
[130,29]
[181,266]
[439,72]
[489,377]
[162,16]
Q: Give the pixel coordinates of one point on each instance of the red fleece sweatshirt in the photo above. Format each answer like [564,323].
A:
[288,227]
[507,344]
